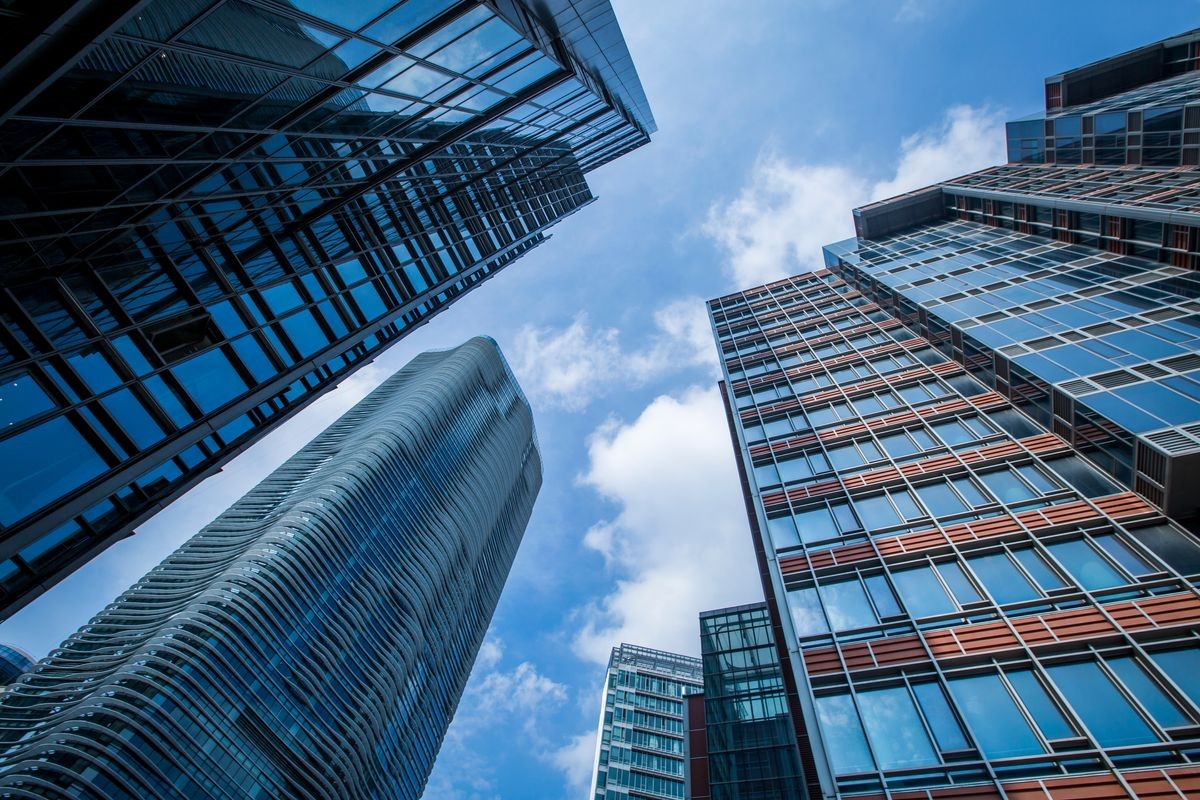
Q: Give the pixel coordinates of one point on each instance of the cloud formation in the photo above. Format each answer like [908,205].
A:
[787,211]
[576,760]
[567,368]
[679,544]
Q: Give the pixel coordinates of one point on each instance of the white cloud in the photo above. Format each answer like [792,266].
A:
[576,760]
[490,652]
[568,367]
[679,544]
[787,211]
[522,691]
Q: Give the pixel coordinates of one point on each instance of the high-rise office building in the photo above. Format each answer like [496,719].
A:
[969,452]
[639,747]
[741,742]
[314,640]
[211,211]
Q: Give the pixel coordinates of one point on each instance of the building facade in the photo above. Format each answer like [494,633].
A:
[639,747]
[314,640]
[211,212]
[968,449]
[741,742]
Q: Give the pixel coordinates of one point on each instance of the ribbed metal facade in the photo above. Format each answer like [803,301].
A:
[314,640]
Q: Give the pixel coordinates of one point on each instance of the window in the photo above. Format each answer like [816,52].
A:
[1161,707]
[808,617]
[41,464]
[925,595]
[992,716]
[843,734]
[1086,565]
[847,605]
[1003,581]
[1007,486]
[1171,545]
[1109,717]
[941,719]
[1045,712]
[897,736]
[940,499]
[886,509]
[1183,667]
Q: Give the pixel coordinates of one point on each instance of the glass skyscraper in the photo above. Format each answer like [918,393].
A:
[639,747]
[314,640]
[211,211]
[741,743]
[969,451]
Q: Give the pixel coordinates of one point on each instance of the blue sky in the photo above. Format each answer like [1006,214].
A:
[775,118]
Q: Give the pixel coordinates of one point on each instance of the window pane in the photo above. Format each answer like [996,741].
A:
[40,465]
[1183,667]
[21,398]
[783,532]
[766,475]
[794,469]
[1131,561]
[946,730]
[1153,699]
[1005,486]
[884,597]
[922,594]
[907,505]
[845,517]
[1002,579]
[1036,566]
[894,727]
[210,379]
[1043,710]
[967,488]
[960,585]
[1103,709]
[1177,549]
[132,416]
[1039,481]
[843,736]
[1086,565]
[993,717]
[847,605]
[845,457]
[807,616]
[876,512]
[816,524]
[897,445]
[940,500]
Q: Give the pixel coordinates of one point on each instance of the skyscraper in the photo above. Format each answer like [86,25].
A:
[214,210]
[740,728]
[313,641]
[969,451]
[639,748]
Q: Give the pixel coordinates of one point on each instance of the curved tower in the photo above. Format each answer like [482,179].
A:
[312,641]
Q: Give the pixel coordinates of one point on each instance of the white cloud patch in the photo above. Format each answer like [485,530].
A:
[568,367]
[778,223]
[679,544]
[576,760]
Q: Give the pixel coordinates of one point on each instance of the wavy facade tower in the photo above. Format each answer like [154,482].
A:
[314,640]
[212,211]
[970,452]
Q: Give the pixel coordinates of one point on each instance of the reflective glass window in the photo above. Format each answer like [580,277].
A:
[1006,486]
[882,594]
[847,605]
[133,418]
[961,586]
[897,736]
[945,727]
[1183,667]
[42,464]
[210,379]
[1101,706]
[1175,548]
[807,615]
[1036,566]
[783,532]
[921,592]
[93,366]
[876,512]
[843,734]
[816,524]
[1045,713]
[1164,710]
[992,716]
[1003,581]
[1123,555]
[1086,565]
[940,499]
[20,398]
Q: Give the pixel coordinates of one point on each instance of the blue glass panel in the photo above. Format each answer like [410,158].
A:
[93,366]
[897,736]
[1036,566]
[967,488]
[1002,579]
[167,399]
[1183,667]
[368,299]
[1123,555]
[210,379]
[794,469]
[305,333]
[807,616]
[132,354]
[254,358]
[843,735]
[921,592]
[992,716]
[1037,701]
[847,605]
[945,727]
[1164,710]
[227,318]
[133,418]
[952,573]
[1006,486]
[42,464]
[884,597]
[282,298]
[21,398]
[876,512]
[783,532]
[940,499]
[1103,709]
[1084,564]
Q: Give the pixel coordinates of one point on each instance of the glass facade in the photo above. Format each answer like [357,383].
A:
[314,640]
[215,210]
[750,741]
[970,449]
[639,753]
[1140,107]
[13,664]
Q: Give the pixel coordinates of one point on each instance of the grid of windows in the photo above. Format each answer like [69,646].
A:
[222,208]
[641,753]
[911,537]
